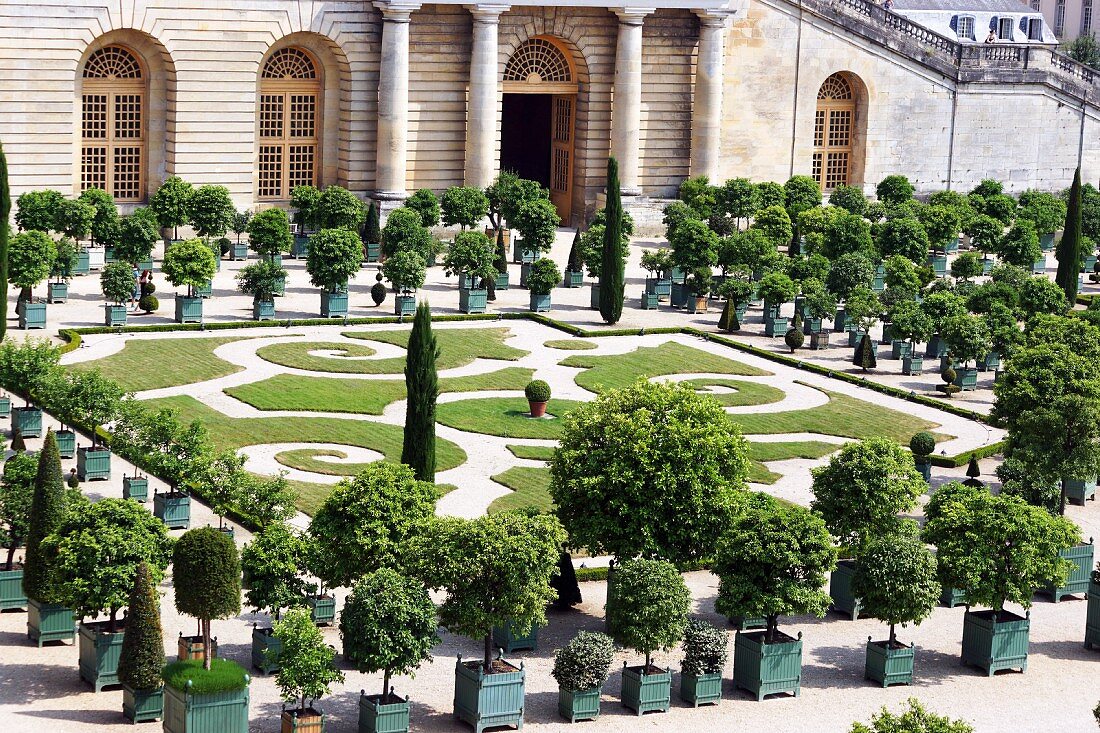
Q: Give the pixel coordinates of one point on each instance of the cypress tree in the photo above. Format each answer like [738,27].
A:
[865,354]
[48,509]
[372,232]
[5,216]
[1069,248]
[422,386]
[611,267]
[500,264]
[143,643]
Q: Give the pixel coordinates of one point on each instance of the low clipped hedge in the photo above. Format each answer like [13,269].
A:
[224,675]
[963,458]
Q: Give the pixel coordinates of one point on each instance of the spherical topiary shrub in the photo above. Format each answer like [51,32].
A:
[207,578]
[537,391]
[378,293]
[148,287]
[705,648]
[583,663]
[794,338]
[922,444]
[148,303]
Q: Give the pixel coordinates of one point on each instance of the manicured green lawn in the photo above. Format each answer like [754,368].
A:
[671,357]
[760,453]
[530,487]
[334,394]
[570,345]
[307,459]
[533,452]
[503,416]
[747,393]
[157,363]
[311,496]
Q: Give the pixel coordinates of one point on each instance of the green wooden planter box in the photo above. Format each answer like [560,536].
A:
[1039,266]
[840,321]
[663,289]
[204,290]
[952,597]
[810,326]
[5,406]
[83,262]
[66,443]
[322,610]
[951,246]
[473,300]
[699,305]
[967,378]
[524,273]
[1078,581]
[1092,617]
[912,365]
[188,310]
[486,701]
[573,279]
[990,362]
[854,336]
[373,250]
[888,666]
[174,509]
[994,646]
[93,463]
[27,420]
[506,638]
[280,287]
[646,693]
[114,315]
[938,264]
[574,705]
[594,296]
[99,655]
[11,590]
[1090,262]
[48,622]
[767,669]
[57,292]
[521,255]
[404,305]
[300,248]
[702,690]
[262,640]
[109,255]
[136,488]
[679,295]
[899,349]
[240,251]
[775,327]
[220,712]
[378,716]
[142,706]
[840,589]
[502,282]
[925,469]
[1046,241]
[649,301]
[936,347]
[745,623]
[1079,492]
[334,305]
[33,315]
[539,303]
[263,310]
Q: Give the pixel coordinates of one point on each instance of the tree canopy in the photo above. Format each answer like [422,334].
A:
[650,608]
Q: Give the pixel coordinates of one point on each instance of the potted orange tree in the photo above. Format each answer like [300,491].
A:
[272,562]
[306,671]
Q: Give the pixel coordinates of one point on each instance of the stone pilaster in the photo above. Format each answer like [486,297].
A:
[393,100]
[626,109]
[482,124]
[706,113]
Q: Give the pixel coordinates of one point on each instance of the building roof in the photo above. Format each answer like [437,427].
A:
[963,6]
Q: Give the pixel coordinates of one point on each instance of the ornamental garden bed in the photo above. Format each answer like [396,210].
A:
[205,701]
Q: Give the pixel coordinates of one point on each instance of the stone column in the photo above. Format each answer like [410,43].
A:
[626,109]
[482,123]
[393,101]
[706,114]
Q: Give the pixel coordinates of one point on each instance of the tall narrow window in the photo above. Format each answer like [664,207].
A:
[1004,29]
[112,124]
[290,119]
[1086,17]
[1036,4]
[966,28]
[1035,29]
[833,126]
[1059,17]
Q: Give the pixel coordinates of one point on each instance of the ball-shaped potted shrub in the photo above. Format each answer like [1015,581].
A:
[378,290]
[543,277]
[538,394]
[117,283]
[581,668]
[922,444]
[705,652]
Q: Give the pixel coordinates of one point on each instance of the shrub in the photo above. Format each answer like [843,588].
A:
[426,204]
[273,562]
[30,258]
[922,444]
[211,210]
[472,254]
[222,676]
[306,668]
[378,292]
[306,201]
[894,189]
[335,255]
[705,648]
[543,277]
[537,391]
[372,231]
[913,720]
[117,282]
[189,263]
[37,210]
[583,664]
[269,232]
[338,208]
[148,303]
[74,218]
[463,205]
[650,607]
[139,666]
[895,579]
[260,279]
[794,338]
[537,221]
[405,269]
[404,230]
[171,203]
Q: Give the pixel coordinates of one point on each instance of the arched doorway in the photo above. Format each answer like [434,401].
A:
[113,115]
[835,131]
[538,120]
[289,118]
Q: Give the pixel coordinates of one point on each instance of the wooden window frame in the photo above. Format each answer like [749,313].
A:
[114,151]
[825,151]
[288,144]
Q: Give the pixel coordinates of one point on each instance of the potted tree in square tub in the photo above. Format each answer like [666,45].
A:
[190,263]
[494,569]
[306,203]
[464,206]
[211,212]
[471,256]
[173,507]
[136,487]
[48,618]
[581,668]
[372,235]
[658,263]
[334,257]
[997,549]
[705,652]
[541,281]
[921,446]
[118,286]
[388,625]
[206,572]
[201,699]
[273,563]
[306,671]
[818,304]
[940,306]
[239,225]
[94,400]
[64,265]
[574,265]
[262,280]
[896,582]
[405,270]
[649,612]
[500,264]
[171,205]
[909,325]
[30,259]
[97,553]
[863,308]
[537,221]
[699,282]
[694,248]
[967,336]
[16,494]
[859,494]
[1081,557]
[142,656]
[74,218]
[1046,212]
[269,237]
[772,561]
[137,237]
[776,289]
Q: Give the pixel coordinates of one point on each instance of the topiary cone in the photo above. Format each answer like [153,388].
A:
[142,659]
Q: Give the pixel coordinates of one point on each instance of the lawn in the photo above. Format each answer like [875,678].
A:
[530,487]
[145,364]
[311,496]
[671,357]
[761,453]
[570,345]
[506,417]
[335,394]
[533,452]
[744,393]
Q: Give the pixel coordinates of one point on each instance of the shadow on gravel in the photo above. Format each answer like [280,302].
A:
[88,717]
[21,683]
[842,667]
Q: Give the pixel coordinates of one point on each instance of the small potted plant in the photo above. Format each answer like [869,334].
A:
[536,221]
[189,263]
[538,394]
[405,271]
[272,562]
[64,265]
[306,202]
[705,652]
[306,671]
[239,226]
[142,655]
[574,265]
[262,280]
[30,260]
[541,281]
[74,219]
[581,668]
[372,235]
[333,259]
[117,283]
[921,445]
[658,263]
[776,289]
[471,258]
[269,236]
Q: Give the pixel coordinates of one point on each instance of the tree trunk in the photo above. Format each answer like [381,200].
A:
[205,643]
[772,629]
[1062,499]
[648,657]
[488,652]
[385,685]
[11,555]
[112,623]
[893,637]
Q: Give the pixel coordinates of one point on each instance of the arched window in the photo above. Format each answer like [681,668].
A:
[833,130]
[112,124]
[289,114]
[538,60]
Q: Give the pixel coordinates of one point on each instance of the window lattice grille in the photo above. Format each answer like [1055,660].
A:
[835,87]
[560,168]
[538,60]
[112,125]
[289,63]
[112,62]
[271,172]
[563,119]
[840,128]
[126,173]
[93,167]
[93,120]
[836,170]
[300,166]
[833,129]
[817,167]
[819,128]
[289,124]
[303,115]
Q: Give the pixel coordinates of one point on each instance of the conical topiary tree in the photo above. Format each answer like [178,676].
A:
[48,511]
[5,216]
[372,230]
[612,283]
[1069,248]
[142,657]
[575,261]
[422,385]
[207,576]
[865,357]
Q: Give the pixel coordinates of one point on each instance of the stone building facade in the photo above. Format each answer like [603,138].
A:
[390,97]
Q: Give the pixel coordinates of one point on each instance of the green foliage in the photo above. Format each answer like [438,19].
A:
[942,225]
[849,272]
[189,263]
[575,261]
[222,675]
[651,470]
[16,493]
[801,193]
[269,233]
[1000,207]
[335,256]
[966,266]
[922,444]
[105,221]
[5,233]
[1040,295]
[422,388]
[705,648]
[849,198]
[206,572]
[537,221]
[651,604]
[74,217]
[368,521]
[171,203]
[895,189]
[775,223]
[996,548]
[612,263]
[306,200]
[239,223]
[37,210]
[985,232]
[776,288]
[1070,245]
[895,579]
[903,236]
[49,510]
[306,662]
[117,282]
[770,193]
[405,269]
[543,277]
[772,562]
[338,208]
[967,337]
[64,263]
[465,206]
[137,237]
[509,192]
[1045,211]
[30,258]
[694,245]
[388,624]
[1084,50]
[273,562]
[261,279]
[148,303]
[794,338]
[425,203]
[404,231]
[914,720]
[863,307]
[211,210]
[863,489]
[1020,246]
[941,306]
[372,231]
[584,662]
[847,233]
[537,391]
[139,665]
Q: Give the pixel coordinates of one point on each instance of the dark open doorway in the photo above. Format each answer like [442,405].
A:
[525,136]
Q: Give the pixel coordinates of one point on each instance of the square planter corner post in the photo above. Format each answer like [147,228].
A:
[322,610]
[27,420]
[49,622]
[11,590]
[699,690]
[219,712]
[334,305]
[574,705]
[506,638]
[995,645]
[486,701]
[66,443]
[1092,617]
[93,464]
[644,693]
[33,315]
[952,597]
[1079,578]
[377,715]
[767,669]
[240,251]
[99,655]
[174,509]
[840,589]
[888,666]
[142,706]
[136,488]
